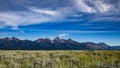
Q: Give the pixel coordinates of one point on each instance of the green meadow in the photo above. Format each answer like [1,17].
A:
[60,59]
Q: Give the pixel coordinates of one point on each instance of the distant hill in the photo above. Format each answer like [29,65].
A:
[48,44]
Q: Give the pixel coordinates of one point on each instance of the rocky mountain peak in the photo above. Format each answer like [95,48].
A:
[14,38]
[55,44]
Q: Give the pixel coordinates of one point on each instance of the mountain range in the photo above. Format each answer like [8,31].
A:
[52,44]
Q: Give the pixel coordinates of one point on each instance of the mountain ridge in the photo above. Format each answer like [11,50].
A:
[14,43]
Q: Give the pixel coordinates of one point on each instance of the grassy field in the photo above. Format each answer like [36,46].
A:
[59,59]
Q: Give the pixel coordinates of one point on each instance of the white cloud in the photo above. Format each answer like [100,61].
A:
[43,11]
[22,31]
[61,13]
[98,6]
[108,19]
[62,35]
[101,6]
[82,6]
[15,19]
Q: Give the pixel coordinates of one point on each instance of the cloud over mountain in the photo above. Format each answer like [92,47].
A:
[62,35]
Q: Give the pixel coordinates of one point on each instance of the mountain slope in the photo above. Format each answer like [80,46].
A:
[48,44]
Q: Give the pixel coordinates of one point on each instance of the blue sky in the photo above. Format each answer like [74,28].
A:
[81,20]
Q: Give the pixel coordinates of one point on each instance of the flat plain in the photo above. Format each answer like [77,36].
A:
[60,59]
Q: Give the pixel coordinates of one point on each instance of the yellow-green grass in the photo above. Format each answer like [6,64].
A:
[60,59]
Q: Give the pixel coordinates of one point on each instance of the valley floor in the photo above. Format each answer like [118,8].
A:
[60,59]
